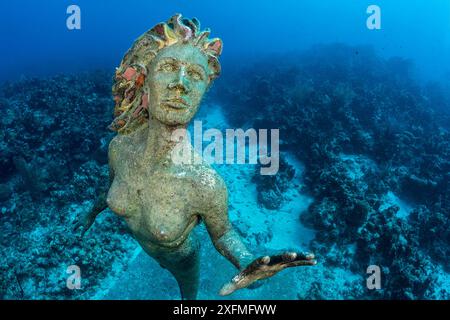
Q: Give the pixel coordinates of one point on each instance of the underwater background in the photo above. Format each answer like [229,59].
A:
[364,120]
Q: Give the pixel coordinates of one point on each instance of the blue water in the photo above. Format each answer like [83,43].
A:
[35,39]
[364,120]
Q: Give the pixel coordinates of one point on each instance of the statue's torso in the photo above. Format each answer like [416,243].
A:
[161,203]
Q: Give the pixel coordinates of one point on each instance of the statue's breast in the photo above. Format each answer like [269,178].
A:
[158,207]
[168,209]
[122,198]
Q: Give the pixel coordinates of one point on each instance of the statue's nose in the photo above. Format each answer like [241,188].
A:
[181,82]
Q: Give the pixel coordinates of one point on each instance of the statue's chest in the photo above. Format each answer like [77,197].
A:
[156,205]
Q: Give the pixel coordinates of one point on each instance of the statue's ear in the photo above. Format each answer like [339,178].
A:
[214,47]
[214,65]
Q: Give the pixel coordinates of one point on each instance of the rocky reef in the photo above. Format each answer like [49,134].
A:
[374,143]
[54,157]
[271,188]
[372,138]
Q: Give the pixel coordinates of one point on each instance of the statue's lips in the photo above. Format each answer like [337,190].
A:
[176,103]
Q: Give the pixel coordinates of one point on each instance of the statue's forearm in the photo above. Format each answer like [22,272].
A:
[230,245]
[89,218]
[100,203]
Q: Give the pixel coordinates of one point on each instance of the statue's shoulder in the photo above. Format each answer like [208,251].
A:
[213,189]
[118,146]
[123,143]
[207,180]
[115,145]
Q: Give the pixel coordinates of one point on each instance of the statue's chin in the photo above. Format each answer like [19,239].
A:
[173,122]
[173,117]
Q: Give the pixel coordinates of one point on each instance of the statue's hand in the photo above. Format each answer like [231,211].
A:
[83,222]
[265,267]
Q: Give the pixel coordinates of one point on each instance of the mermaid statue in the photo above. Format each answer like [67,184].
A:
[157,90]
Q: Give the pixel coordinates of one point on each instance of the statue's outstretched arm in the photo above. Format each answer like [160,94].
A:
[229,244]
[86,221]
[224,237]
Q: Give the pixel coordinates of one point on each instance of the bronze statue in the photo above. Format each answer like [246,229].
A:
[158,89]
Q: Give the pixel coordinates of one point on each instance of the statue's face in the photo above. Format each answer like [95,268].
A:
[178,78]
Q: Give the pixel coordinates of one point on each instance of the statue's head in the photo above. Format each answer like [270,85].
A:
[165,75]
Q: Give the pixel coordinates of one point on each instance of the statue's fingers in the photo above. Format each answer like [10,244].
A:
[310,256]
[289,256]
[305,256]
[228,289]
[282,258]
[263,260]
[298,263]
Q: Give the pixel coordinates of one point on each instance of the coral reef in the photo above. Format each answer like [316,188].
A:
[364,129]
[53,146]
[271,188]
[375,145]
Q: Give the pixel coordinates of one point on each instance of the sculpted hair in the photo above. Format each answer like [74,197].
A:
[130,95]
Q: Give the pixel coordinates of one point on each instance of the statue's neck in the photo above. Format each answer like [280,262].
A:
[160,139]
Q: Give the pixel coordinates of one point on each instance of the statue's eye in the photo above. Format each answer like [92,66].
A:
[197,76]
[168,67]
